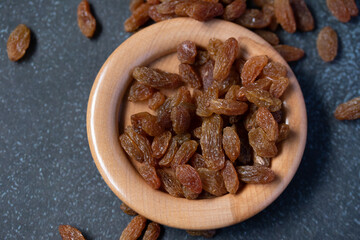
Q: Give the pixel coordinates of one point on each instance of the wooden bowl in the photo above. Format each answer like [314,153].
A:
[108,109]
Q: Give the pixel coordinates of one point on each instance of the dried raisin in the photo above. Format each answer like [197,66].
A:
[262,98]
[224,58]
[134,229]
[156,78]
[212,181]
[160,144]
[185,152]
[189,177]
[68,232]
[327,44]
[147,122]
[156,100]
[140,92]
[189,75]
[339,9]
[260,143]
[266,121]
[303,17]
[270,37]
[231,143]
[255,174]
[230,177]
[170,182]
[131,148]
[254,18]
[289,53]
[284,15]
[227,107]
[149,174]
[234,10]
[152,231]
[126,209]
[85,19]
[349,110]
[253,68]
[138,18]
[18,42]
[186,52]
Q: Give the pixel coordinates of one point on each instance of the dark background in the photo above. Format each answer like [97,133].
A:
[48,177]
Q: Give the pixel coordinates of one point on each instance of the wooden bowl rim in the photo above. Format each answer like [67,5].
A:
[103,112]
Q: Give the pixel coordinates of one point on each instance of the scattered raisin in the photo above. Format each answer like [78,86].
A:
[134,229]
[158,17]
[203,233]
[201,11]
[18,42]
[351,7]
[126,209]
[289,53]
[268,36]
[68,232]
[327,44]
[85,19]
[349,110]
[303,17]
[339,9]
[284,131]
[284,15]
[152,231]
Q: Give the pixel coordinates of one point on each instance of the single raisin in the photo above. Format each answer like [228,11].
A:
[284,131]
[160,144]
[85,19]
[164,114]
[278,86]
[126,209]
[230,177]
[202,233]
[18,42]
[351,7]
[274,70]
[158,17]
[180,118]
[203,101]
[254,18]
[262,161]
[224,58]
[284,15]
[263,98]
[289,53]
[234,10]
[156,100]
[170,182]
[201,11]
[142,143]
[185,152]
[327,44]
[206,74]
[213,47]
[156,78]
[212,181]
[149,174]
[269,12]
[152,231]
[268,36]
[147,122]
[140,92]
[253,68]
[138,18]
[189,75]
[68,232]
[228,107]
[260,143]
[339,9]
[134,4]
[303,17]
[266,121]
[349,110]
[134,229]
[197,161]
[170,153]
[186,52]
[231,143]
[131,148]
[211,142]
[255,174]
[189,177]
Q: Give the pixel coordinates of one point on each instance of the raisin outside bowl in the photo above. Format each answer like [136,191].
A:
[109,112]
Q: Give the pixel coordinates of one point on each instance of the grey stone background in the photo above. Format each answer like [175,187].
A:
[47,175]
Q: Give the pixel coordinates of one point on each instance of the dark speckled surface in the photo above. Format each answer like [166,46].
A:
[47,175]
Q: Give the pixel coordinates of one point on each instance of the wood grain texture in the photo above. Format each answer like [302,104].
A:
[108,111]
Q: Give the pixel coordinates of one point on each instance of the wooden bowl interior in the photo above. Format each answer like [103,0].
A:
[108,109]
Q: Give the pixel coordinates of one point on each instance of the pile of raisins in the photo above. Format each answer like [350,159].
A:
[220,128]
